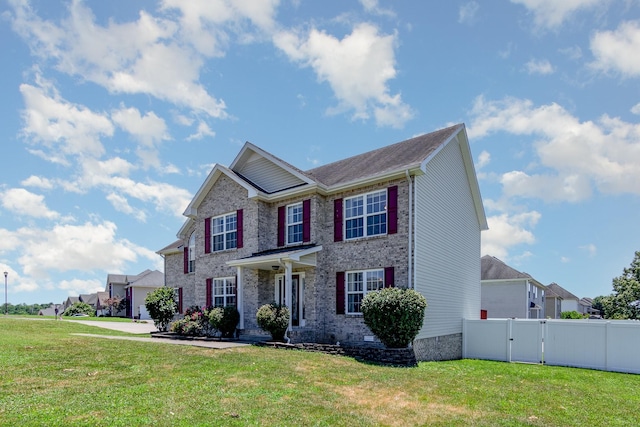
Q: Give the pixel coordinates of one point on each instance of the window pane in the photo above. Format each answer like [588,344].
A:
[231,240]
[354,228]
[353,207]
[231,222]
[218,242]
[294,233]
[376,202]
[376,224]
[218,301]
[217,225]
[353,303]
[354,282]
[375,280]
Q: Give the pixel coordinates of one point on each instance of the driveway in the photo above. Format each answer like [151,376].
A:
[130,327]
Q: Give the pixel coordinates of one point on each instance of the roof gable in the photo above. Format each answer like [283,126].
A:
[491,268]
[562,292]
[267,172]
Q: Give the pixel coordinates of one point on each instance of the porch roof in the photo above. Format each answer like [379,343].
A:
[300,256]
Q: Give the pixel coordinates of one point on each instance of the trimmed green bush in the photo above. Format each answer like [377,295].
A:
[274,318]
[394,315]
[80,308]
[571,315]
[161,305]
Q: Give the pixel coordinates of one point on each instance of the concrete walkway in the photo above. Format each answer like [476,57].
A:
[147,328]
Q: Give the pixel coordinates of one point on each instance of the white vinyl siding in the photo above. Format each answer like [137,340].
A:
[505,298]
[447,244]
[267,175]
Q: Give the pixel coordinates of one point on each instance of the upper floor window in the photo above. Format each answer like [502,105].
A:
[192,253]
[366,215]
[294,223]
[359,283]
[224,232]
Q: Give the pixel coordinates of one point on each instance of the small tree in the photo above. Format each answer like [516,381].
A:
[274,318]
[112,304]
[80,308]
[394,315]
[571,315]
[161,305]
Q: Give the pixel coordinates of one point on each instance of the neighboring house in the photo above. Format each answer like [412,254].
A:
[90,299]
[133,288]
[553,304]
[102,308]
[406,215]
[586,305]
[507,292]
[51,310]
[570,302]
[70,301]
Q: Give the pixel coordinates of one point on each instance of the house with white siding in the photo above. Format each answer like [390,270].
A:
[134,289]
[408,215]
[509,293]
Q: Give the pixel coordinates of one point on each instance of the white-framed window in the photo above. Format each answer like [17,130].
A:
[192,253]
[366,215]
[224,232]
[358,284]
[224,292]
[294,223]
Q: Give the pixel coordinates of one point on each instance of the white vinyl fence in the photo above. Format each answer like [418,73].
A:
[609,345]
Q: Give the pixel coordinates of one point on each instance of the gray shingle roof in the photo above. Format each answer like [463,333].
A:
[494,269]
[565,294]
[391,158]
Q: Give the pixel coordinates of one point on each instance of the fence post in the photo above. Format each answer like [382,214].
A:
[510,338]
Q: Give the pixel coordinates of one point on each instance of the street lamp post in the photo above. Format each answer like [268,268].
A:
[6,306]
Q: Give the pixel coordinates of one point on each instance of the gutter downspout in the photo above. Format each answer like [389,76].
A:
[410,260]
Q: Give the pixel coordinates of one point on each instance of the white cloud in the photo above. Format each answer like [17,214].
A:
[76,286]
[25,203]
[72,247]
[203,131]
[573,52]
[542,66]
[507,231]
[552,13]
[148,129]
[590,249]
[121,204]
[357,67]
[636,109]
[565,260]
[62,127]
[133,57]
[372,6]
[484,158]
[614,50]
[574,155]
[38,182]
[467,12]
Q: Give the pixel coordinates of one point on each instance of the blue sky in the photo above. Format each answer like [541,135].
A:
[113,113]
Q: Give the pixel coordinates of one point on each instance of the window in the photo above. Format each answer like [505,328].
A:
[359,283]
[224,292]
[366,215]
[192,253]
[294,223]
[224,234]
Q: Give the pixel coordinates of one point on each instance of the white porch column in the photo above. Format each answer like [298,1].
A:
[240,296]
[288,269]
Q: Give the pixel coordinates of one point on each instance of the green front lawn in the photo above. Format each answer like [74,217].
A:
[51,377]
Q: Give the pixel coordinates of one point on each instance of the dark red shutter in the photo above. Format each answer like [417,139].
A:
[337,220]
[180,300]
[340,292]
[207,235]
[389,280]
[186,259]
[392,209]
[282,217]
[306,220]
[239,233]
[208,298]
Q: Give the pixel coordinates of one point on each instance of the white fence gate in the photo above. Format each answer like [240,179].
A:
[596,344]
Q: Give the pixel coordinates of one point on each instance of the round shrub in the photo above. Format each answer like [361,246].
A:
[229,322]
[215,316]
[274,318]
[80,308]
[394,315]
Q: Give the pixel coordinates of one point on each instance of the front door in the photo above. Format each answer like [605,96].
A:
[297,297]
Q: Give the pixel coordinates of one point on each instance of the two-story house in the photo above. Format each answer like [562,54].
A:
[408,215]
[507,292]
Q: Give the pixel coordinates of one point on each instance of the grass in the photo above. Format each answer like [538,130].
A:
[54,378]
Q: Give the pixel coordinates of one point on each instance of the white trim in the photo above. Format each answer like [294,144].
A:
[364,287]
[365,214]
[224,231]
[286,223]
